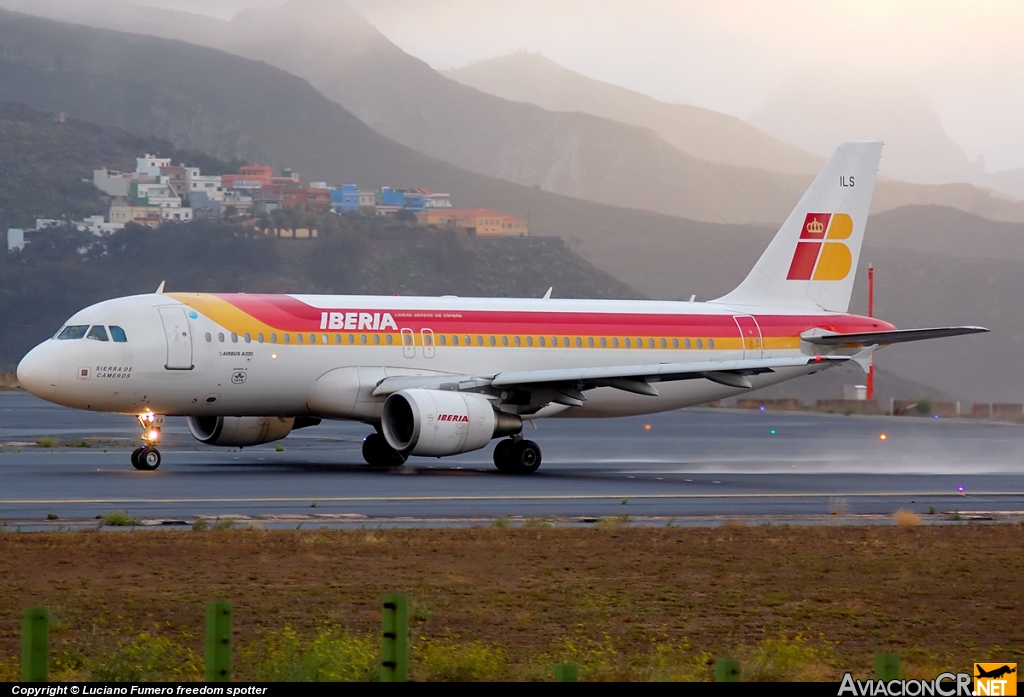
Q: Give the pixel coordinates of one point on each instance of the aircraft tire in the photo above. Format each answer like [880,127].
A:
[525,457]
[503,456]
[377,452]
[148,459]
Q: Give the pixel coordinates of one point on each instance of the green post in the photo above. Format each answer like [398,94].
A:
[887,666]
[394,650]
[218,641]
[35,630]
[727,670]
[566,672]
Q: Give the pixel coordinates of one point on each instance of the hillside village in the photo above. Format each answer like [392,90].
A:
[159,192]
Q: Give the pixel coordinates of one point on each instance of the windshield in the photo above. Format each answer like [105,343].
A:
[73,331]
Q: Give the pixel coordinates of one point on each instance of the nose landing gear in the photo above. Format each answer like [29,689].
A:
[148,457]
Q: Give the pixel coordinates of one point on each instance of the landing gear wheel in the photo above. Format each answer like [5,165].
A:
[146,459]
[525,457]
[503,456]
[378,453]
[517,456]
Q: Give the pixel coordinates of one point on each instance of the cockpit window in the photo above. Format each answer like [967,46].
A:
[73,331]
[98,332]
[117,334]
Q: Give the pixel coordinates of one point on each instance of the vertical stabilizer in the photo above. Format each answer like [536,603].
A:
[812,261]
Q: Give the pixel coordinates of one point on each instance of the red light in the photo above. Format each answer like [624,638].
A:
[817,359]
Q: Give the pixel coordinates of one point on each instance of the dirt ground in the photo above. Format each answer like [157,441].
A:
[620,600]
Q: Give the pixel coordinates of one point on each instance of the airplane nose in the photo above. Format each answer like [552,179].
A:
[39,372]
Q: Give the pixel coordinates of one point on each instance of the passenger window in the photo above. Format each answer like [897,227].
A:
[529,341]
[519,341]
[324,339]
[273,337]
[119,337]
[579,342]
[628,344]
[220,337]
[248,338]
[376,339]
[664,344]
[604,342]
[234,338]
[209,337]
[444,339]
[287,338]
[312,338]
[700,344]
[362,339]
[565,341]
[298,338]
[504,341]
[389,339]
[352,339]
[492,341]
[259,337]
[650,343]
[469,340]
[76,331]
[543,341]
[479,340]
[711,343]
[639,342]
[97,333]
[686,343]
[615,342]
[590,341]
[337,338]
[675,343]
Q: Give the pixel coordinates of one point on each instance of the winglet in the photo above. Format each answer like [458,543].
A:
[547,296]
[160,288]
[863,358]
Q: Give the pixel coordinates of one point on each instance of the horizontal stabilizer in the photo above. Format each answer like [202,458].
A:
[897,336]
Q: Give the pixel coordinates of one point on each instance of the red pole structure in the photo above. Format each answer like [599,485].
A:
[871,313]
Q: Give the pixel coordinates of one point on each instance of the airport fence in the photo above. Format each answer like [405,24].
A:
[394,647]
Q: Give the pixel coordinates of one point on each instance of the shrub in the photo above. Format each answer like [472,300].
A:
[148,658]
[332,655]
[905,518]
[119,519]
[449,661]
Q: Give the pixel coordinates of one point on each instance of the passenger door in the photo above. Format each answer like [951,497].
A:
[178,334]
[750,335]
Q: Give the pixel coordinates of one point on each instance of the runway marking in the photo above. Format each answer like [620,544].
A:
[514,497]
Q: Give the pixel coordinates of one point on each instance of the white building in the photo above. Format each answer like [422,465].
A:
[15,239]
[151,165]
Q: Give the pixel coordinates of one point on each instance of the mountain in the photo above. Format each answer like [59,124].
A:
[703,133]
[575,154]
[814,112]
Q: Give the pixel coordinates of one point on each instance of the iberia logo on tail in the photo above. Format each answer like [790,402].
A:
[820,256]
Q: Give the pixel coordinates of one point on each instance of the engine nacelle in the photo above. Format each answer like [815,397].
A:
[239,431]
[438,422]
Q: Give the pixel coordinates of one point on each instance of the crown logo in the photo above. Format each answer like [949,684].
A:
[815,227]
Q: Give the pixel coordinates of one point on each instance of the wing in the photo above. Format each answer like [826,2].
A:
[535,389]
[899,336]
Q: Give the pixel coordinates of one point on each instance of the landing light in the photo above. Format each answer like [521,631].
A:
[882,437]
[647,427]
[274,356]
[762,407]
[960,491]
[153,436]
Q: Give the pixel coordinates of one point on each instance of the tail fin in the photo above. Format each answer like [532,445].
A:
[812,261]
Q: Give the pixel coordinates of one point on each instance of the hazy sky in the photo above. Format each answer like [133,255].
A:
[966,55]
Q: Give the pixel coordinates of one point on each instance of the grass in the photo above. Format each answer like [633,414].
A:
[622,602]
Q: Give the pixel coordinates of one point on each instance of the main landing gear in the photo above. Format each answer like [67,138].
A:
[148,457]
[517,456]
[378,453]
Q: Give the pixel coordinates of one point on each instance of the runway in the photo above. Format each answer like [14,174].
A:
[686,467]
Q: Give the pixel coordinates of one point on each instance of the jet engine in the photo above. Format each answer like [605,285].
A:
[438,422]
[239,431]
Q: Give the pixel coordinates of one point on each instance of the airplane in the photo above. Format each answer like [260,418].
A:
[442,376]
